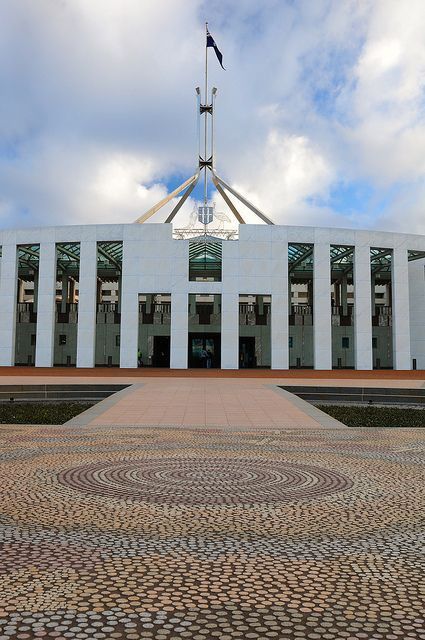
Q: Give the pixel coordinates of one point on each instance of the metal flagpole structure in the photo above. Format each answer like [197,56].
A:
[206,105]
[206,162]
[206,116]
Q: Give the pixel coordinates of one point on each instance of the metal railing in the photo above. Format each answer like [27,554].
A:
[107,307]
[163,307]
[301,309]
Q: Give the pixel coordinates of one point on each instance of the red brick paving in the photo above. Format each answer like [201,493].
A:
[147,372]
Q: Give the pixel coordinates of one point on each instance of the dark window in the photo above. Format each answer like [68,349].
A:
[117,341]
[62,338]
[205,258]
[291,342]
[345,343]
[374,343]
[33,338]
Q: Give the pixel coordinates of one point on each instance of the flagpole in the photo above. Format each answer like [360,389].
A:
[206,117]
[206,64]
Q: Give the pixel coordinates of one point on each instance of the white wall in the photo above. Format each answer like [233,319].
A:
[417,311]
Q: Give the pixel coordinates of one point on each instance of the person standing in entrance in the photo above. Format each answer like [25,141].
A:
[204,358]
[209,359]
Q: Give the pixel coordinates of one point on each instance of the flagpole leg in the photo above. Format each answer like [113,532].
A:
[206,65]
[206,117]
[198,120]
[213,92]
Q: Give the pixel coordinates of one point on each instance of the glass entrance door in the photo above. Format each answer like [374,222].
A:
[161,351]
[247,353]
[204,350]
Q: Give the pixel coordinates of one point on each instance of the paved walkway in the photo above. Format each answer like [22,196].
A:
[197,402]
[204,399]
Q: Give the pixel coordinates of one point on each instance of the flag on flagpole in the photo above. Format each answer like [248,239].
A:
[211,43]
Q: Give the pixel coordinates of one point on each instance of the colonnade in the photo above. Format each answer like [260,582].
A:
[271,279]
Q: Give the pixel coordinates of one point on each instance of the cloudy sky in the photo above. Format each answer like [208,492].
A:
[320,112]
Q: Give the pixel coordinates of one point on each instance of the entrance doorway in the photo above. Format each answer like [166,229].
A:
[254,331]
[154,329]
[161,351]
[247,358]
[204,342]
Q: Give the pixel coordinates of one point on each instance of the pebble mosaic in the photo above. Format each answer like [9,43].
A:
[138,532]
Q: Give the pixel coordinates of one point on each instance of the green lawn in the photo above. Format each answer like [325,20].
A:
[354,416]
[40,412]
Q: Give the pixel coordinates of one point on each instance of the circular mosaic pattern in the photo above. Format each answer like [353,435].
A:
[346,568]
[204,481]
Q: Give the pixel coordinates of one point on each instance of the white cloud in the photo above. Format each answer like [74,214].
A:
[387,134]
[289,171]
[76,184]
[118,191]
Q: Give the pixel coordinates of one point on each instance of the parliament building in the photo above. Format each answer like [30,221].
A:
[263,295]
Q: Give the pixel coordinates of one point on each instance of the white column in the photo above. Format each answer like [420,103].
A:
[129,303]
[135,279]
[362,308]
[344,296]
[417,311]
[230,330]
[280,307]
[179,330]
[86,335]
[400,309]
[322,306]
[129,331]
[279,330]
[8,284]
[46,295]
[35,303]
[64,290]
[119,292]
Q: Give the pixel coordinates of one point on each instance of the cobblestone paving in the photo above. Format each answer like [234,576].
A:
[164,533]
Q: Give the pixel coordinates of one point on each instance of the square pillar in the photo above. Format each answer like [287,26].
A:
[86,336]
[8,290]
[46,297]
[65,282]
[129,329]
[128,301]
[281,305]
[344,296]
[230,330]
[362,308]
[400,309]
[179,330]
[280,330]
[322,326]
[417,311]
[35,304]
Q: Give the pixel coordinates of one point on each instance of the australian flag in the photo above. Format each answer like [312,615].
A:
[211,43]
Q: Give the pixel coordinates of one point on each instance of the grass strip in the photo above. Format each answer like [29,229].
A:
[355,416]
[41,412]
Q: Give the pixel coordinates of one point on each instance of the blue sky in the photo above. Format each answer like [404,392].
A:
[320,112]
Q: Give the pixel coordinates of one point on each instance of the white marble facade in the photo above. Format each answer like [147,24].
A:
[256,263]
